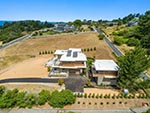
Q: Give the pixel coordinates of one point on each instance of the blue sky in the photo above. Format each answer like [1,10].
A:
[69,10]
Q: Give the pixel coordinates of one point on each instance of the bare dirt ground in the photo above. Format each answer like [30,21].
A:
[94,103]
[101,91]
[33,67]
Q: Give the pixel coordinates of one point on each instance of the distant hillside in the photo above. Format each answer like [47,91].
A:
[15,29]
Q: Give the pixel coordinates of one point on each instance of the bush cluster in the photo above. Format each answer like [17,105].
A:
[15,98]
[101,36]
[120,40]
[133,42]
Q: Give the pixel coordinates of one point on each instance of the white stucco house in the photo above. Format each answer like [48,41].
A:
[66,62]
[105,72]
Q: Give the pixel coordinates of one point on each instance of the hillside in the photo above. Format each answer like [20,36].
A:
[12,30]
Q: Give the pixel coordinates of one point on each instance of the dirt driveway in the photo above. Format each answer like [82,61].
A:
[33,67]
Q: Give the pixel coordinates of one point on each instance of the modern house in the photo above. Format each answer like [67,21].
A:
[66,62]
[105,72]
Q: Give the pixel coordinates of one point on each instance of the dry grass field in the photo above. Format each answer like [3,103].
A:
[23,60]
[32,47]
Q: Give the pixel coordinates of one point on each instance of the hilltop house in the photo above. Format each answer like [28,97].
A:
[62,26]
[66,62]
[105,72]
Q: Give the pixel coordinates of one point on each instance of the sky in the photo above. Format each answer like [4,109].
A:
[69,10]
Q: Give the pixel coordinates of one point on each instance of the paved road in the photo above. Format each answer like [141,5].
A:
[117,52]
[110,44]
[135,110]
[15,41]
[70,82]
[33,80]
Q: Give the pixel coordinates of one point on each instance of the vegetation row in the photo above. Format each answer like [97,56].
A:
[109,96]
[52,51]
[15,98]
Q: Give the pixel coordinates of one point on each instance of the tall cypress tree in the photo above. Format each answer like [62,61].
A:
[131,65]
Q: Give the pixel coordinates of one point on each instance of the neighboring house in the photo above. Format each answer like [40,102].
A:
[61,26]
[105,72]
[130,24]
[67,62]
[69,28]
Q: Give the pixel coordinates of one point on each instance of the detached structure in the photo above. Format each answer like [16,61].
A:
[65,62]
[105,72]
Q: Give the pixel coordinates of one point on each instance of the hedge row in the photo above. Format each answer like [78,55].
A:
[14,98]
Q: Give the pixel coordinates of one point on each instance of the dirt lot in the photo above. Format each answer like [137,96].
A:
[33,67]
[101,91]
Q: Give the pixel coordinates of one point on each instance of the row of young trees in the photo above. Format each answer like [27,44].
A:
[88,49]
[51,52]
[114,96]
[15,98]
[46,52]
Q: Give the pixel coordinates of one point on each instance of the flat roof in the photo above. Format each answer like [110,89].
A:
[73,54]
[60,52]
[105,65]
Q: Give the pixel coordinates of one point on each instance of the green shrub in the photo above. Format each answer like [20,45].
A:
[48,68]
[88,49]
[89,96]
[40,53]
[119,40]
[21,100]
[93,95]
[101,96]
[101,36]
[133,42]
[43,97]
[94,48]
[30,100]
[2,90]
[60,82]
[59,99]
[85,95]
[43,52]
[97,96]
[48,52]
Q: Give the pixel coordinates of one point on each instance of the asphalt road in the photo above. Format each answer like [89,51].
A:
[117,52]
[110,44]
[15,41]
